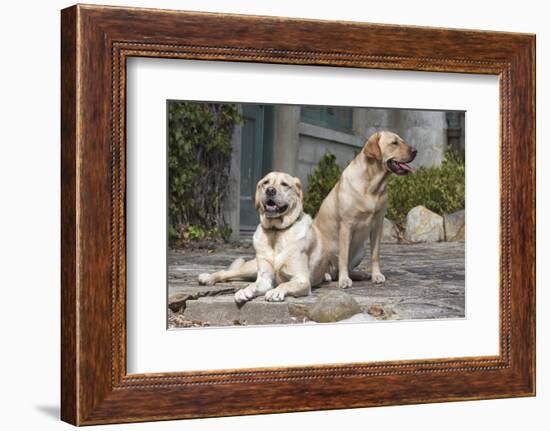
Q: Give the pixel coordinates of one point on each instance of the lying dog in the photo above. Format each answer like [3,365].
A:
[289,258]
[353,210]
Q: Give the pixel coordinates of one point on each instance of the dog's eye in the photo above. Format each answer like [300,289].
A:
[284,184]
[394,143]
[265,183]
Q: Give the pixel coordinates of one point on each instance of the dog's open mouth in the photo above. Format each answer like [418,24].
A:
[272,209]
[400,168]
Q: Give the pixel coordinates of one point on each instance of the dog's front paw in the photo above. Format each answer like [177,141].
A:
[344,282]
[206,280]
[275,295]
[245,294]
[378,278]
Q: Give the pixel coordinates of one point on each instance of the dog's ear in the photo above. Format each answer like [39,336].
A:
[299,188]
[372,148]
[258,197]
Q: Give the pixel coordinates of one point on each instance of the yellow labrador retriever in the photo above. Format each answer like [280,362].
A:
[287,242]
[355,207]
[289,257]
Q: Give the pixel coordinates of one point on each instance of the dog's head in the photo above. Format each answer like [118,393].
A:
[279,200]
[392,151]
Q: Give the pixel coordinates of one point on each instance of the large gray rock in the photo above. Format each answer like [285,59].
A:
[389,232]
[423,225]
[454,226]
[334,306]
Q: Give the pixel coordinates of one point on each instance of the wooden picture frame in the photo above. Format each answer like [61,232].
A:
[95,43]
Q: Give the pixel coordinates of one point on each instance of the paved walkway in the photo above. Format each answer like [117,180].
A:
[423,281]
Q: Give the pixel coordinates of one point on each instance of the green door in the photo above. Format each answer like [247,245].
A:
[252,147]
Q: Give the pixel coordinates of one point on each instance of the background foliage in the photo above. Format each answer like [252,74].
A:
[199,156]
[320,182]
[440,189]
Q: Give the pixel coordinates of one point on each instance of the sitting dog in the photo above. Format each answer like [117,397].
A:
[289,258]
[354,209]
[352,212]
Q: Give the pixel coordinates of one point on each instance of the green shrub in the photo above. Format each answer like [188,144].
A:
[195,233]
[325,175]
[440,189]
[199,156]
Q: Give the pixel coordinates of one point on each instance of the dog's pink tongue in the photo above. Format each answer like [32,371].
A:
[406,167]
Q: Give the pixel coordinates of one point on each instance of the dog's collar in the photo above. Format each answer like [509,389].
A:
[275,228]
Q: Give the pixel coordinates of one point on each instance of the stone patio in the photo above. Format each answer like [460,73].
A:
[423,281]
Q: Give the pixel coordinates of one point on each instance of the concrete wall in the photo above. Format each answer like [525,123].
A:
[316,141]
[298,146]
[286,138]
[232,204]
[424,130]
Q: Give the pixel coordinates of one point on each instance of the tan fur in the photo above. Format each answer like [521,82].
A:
[372,149]
[287,250]
[354,209]
[295,254]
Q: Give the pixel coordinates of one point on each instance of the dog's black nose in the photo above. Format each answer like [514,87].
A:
[270,191]
[413,152]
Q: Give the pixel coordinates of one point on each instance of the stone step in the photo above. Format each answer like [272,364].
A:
[246,235]
[223,311]
[215,306]
[423,281]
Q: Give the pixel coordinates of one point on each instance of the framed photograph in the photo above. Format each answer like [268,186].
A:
[265,215]
[275,169]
